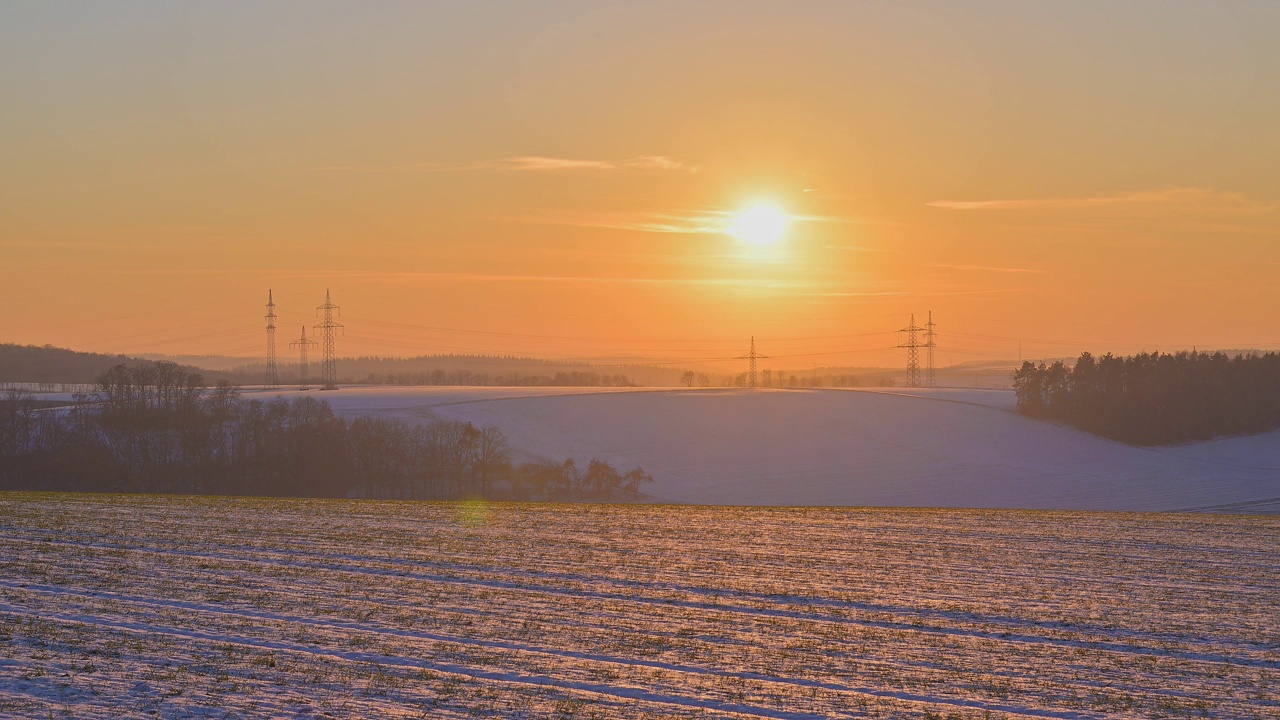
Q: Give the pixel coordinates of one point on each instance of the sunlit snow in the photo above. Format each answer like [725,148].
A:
[914,448]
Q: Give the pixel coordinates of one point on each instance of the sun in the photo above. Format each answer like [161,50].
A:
[759,225]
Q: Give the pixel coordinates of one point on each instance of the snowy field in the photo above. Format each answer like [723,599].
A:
[234,608]
[897,447]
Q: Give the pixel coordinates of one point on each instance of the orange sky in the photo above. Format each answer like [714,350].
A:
[553,178]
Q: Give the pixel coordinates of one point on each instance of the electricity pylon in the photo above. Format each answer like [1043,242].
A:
[302,344]
[327,328]
[752,356]
[930,342]
[273,377]
[912,345]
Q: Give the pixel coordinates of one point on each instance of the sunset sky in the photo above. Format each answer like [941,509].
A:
[560,178]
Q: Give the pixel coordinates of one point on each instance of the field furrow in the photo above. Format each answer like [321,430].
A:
[188,606]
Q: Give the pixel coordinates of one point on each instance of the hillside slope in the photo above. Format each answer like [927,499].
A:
[944,448]
[52,365]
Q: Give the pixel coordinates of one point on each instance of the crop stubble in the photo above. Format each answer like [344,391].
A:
[193,607]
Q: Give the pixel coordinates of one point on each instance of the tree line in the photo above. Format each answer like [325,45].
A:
[50,366]
[471,370]
[157,429]
[468,378]
[768,378]
[1156,398]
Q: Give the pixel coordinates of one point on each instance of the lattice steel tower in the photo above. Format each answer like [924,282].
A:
[930,342]
[273,377]
[327,328]
[912,345]
[302,344]
[752,356]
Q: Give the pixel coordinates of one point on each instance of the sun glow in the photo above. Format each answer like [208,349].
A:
[759,225]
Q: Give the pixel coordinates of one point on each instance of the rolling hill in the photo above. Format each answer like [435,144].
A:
[931,448]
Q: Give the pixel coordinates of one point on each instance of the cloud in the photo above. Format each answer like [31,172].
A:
[983,291]
[860,248]
[528,163]
[658,162]
[709,222]
[989,268]
[539,163]
[918,293]
[467,277]
[1190,197]
[680,222]
[884,293]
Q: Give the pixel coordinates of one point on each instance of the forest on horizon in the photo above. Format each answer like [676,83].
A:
[158,429]
[1156,398]
[49,368]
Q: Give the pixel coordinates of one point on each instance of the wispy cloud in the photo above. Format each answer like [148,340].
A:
[681,222]
[539,163]
[658,162]
[982,291]
[376,276]
[837,293]
[527,163]
[989,268]
[1194,197]
[860,248]
[917,293]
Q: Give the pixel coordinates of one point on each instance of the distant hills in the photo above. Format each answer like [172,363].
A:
[53,365]
[944,447]
[485,370]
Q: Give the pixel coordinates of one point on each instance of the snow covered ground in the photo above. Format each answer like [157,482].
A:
[894,447]
[182,607]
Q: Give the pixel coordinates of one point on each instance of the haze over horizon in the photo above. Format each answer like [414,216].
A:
[577,179]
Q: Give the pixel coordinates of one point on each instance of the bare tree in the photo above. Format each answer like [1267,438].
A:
[492,456]
[634,478]
[602,478]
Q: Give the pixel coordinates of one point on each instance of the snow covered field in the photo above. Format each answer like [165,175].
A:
[196,607]
[897,447]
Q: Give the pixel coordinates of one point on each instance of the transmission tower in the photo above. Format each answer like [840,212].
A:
[930,342]
[752,356]
[273,377]
[302,344]
[912,345]
[328,363]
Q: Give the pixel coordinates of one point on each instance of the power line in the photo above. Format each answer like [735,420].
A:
[535,336]
[912,345]
[273,377]
[190,338]
[417,345]
[675,349]
[169,309]
[328,361]
[930,342]
[302,344]
[752,356]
